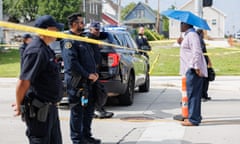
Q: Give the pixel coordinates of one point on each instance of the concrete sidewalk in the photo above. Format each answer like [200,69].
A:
[221,116]
[220,125]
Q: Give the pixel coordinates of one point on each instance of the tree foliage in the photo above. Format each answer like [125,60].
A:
[59,9]
[28,10]
[25,10]
[127,9]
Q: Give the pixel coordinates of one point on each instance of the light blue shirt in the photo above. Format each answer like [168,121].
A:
[191,55]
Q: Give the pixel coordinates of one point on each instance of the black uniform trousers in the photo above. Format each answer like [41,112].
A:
[47,132]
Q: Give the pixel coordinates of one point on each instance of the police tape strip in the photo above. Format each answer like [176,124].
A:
[79,38]
[50,33]
[58,34]
[154,63]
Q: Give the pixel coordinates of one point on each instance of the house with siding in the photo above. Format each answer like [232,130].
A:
[141,14]
[214,17]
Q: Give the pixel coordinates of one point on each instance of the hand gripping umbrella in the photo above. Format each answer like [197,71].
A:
[187,17]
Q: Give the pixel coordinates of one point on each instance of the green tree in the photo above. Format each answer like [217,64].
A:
[165,24]
[21,9]
[60,9]
[28,10]
[127,9]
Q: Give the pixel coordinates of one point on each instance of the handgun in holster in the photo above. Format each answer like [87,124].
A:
[42,109]
[25,109]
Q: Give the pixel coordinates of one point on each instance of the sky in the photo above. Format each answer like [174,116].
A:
[230,8]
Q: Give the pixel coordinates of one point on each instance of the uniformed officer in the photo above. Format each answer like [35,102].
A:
[39,88]
[26,39]
[142,41]
[99,90]
[80,73]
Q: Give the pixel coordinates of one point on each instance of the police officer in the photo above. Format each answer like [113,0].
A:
[26,39]
[142,41]
[99,89]
[80,73]
[39,88]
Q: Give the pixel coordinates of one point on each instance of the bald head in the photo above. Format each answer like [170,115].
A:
[141,30]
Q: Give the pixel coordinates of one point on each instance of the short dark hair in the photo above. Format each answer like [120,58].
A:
[73,17]
[189,25]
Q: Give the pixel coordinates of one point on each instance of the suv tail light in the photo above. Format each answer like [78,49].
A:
[113,59]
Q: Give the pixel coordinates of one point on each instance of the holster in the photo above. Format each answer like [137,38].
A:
[42,109]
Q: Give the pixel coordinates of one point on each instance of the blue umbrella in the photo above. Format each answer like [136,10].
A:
[187,17]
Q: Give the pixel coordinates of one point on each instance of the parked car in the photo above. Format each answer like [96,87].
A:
[123,68]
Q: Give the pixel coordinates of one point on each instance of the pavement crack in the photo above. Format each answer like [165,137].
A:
[126,135]
[154,100]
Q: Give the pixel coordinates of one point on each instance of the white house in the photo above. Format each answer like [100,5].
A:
[214,17]
[109,12]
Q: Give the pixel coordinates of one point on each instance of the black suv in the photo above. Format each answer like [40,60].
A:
[123,68]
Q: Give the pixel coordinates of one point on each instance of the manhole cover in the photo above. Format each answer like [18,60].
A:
[137,119]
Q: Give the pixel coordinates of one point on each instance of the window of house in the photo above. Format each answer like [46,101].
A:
[140,13]
[214,21]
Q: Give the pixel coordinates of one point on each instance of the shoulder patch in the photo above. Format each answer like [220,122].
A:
[68,45]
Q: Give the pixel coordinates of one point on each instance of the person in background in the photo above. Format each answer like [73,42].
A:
[39,88]
[80,73]
[142,42]
[193,66]
[26,39]
[205,96]
[95,33]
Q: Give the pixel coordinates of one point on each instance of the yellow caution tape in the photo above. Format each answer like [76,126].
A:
[79,38]
[58,34]
[51,33]
[154,62]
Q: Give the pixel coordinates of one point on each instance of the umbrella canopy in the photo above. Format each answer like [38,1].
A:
[187,17]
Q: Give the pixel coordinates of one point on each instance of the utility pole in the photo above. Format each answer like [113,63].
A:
[158,18]
[1,18]
[199,8]
[84,10]
[119,12]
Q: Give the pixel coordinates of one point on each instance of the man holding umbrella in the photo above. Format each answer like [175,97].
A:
[193,66]
[192,63]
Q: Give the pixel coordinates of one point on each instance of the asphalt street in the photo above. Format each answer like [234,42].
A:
[150,119]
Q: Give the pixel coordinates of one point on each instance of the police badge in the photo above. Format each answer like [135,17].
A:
[68,45]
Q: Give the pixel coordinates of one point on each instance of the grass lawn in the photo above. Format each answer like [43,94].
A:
[225,60]
[9,63]
[164,61]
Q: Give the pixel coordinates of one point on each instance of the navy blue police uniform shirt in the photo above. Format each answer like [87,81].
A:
[96,49]
[41,69]
[78,58]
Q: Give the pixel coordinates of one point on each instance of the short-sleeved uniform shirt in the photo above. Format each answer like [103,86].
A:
[41,69]
[21,50]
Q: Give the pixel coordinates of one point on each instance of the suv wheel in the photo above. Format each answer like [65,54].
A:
[146,85]
[127,97]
